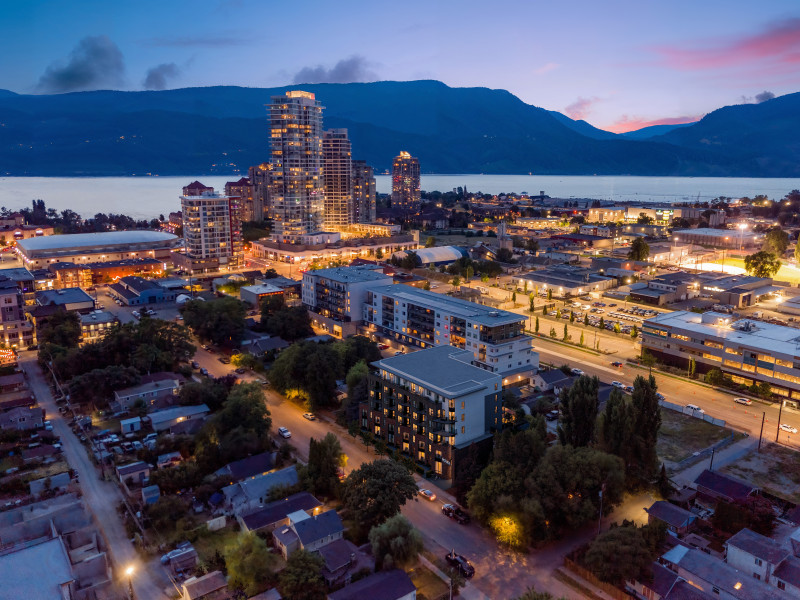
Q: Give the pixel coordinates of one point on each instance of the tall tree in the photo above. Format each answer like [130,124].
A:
[324,459]
[776,241]
[220,320]
[302,577]
[640,250]
[616,426]
[647,422]
[762,264]
[579,412]
[250,564]
[376,491]
[395,543]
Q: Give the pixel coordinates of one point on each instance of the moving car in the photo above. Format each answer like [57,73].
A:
[427,494]
[616,363]
[577,372]
[695,408]
[745,401]
[284,433]
[460,563]
[788,428]
[309,416]
[618,384]
[455,513]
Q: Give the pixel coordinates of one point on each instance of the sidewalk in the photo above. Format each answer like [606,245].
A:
[724,457]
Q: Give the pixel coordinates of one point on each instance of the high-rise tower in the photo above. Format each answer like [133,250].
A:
[337,172]
[212,229]
[296,191]
[405,183]
[363,192]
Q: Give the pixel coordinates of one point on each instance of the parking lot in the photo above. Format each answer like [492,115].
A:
[611,313]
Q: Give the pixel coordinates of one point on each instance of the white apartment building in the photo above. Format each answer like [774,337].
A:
[211,229]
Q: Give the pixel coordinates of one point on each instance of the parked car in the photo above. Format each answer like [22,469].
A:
[616,363]
[240,370]
[788,428]
[460,563]
[284,433]
[552,415]
[224,360]
[577,372]
[618,385]
[455,513]
[427,494]
[745,401]
[309,416]
[696,409]
[195,364]
[628,389]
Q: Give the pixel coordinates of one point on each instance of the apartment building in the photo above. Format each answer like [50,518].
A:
[211,229]
[405,183]
[432,405]
[749,351]
[15,330]
[337,169]
[496,338]
[363,192]
[336,296]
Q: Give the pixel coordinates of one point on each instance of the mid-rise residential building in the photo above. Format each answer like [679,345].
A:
[496,338]
[748,351]
[363,192]
[15,330]
[241,192]
[719,238]
[336,296]
[212,230]
[405,183]
[337,169]
[296,186]
[259,177]
[432,404]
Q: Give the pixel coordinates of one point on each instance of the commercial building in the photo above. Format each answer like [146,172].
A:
[83,248]
[438,255]
[719,238]
[363,193]
[432,404]
[337,169]
[69,274]
[405,183]
[746,350]
[607,214]
[254,294]
[296,187]
[565,281]
[336,296]
[212,230]
[495,338]
[95,325]
[136,291]
[332,247]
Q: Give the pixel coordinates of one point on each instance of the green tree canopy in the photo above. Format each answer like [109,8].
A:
[776,241]
[62,329]
[639,250]
[622,554]
[220,320]
[324,459]
[289,323]
[762,264]
[302,577]
[395,543]
[579,412]
[250,564]
[376,491]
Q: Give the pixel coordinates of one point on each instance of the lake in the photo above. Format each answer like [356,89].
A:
[147,197]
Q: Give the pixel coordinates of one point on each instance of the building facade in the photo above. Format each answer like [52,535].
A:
[337,169]
[242,192]
[212,229]
[15,330]
[363,192]
[405,183]
[432,404]
[496,338]
[296,186]
[259,177]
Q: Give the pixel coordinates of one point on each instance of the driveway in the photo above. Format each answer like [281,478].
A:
[101,497]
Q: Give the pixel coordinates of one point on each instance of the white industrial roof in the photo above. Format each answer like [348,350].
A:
[88,240]
[436,254]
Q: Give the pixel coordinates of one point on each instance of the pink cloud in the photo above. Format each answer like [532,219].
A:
[626,123]
[778,42]
[551,66]
[581,108]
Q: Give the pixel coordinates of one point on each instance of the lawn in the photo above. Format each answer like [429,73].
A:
[428,585]
[775,469]
[785,273]
[208,542]
[682,435]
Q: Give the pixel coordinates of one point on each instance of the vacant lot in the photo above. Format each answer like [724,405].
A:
[681,436]
[775,469]
[429,586]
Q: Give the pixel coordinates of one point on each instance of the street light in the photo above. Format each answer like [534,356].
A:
[129,573]
[742,227]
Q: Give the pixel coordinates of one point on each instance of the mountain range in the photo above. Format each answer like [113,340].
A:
[223,130]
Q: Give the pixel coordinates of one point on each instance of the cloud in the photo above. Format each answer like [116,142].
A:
[347,70]
[581,108]
[207,41]
[157,77]
[778,42]
[551,66]
[764,96]
[94,63]
[626,123]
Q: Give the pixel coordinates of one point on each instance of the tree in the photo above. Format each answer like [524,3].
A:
[504,255]
[644,219]
[531,303]
[621,554]
[640,250]
[615,427]
[648,360]
[61,329]
[395,543]
[715,377]
[249,563]
[289,323]
[536,329]
[581,342]
[692,367]
[302,577]
[586,320]
[797,251]
[776,241]
[324,460]
[468,274]
[566,332]
[209,392]
[532,594]
[762,264]
[271,304]
[634,331]
[579,412]
[376,491]
[571,316]
[617,328]
[220,320]
[430,242]
[644,464]
[549,294]
[602,324]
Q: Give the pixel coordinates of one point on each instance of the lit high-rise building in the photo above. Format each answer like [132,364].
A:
[259,178]
[337,172]
[296,186]
[363,192]
[212,229]
[405,183]
[241,192]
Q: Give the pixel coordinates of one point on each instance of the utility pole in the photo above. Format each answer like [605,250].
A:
[778,426]
[711,466]
[761,433]
[600,518]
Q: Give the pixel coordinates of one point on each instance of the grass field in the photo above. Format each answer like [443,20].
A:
[681,436]
[775,469]
[786,273]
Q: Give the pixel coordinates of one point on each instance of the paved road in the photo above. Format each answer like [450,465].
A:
[101,497]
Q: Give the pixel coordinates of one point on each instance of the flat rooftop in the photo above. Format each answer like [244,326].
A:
[353,274]
[37,571]
[78,241]
[718,233]
[444,369]
[743,332]
[485,315]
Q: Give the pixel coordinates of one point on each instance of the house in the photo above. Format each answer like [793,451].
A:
[245,496]
[713,487]
[663,581]
[96,324]
[183,560]
[755,554]
[276,513]
[554,379]
[679,521]
[12,383]
[169,459]
[130,425]
[55,483]
[384,585]
[211,586]
[263,345]
[150,494]
[147,392]
[249,467]
[22,418]
[164,419]
[254,294]
[786,576]
[341,559]
[683,590]
[38,454]
[308,533]
[136,471]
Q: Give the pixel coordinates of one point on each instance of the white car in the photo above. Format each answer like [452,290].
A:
[745,401]
[618,384]
[577,372]
[284,433]
[788,428]
[309,416]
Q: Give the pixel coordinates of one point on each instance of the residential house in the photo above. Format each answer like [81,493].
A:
[130,425]
[211,586]
[245,496]
[55,483]
[755,554]
[679,521]
[713,487]
[247,468]
[12,383]
[341,559]
[96,324]
[150,494]
[308,533]
[147,392]
[553,380]
[786,576]
[165,419]
[277,513]
[135,471]
[22,418]
[657,589]
[38,454]
[384,585]
[169,459]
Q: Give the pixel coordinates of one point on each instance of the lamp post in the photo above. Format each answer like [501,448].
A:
[129,574]
[742,227]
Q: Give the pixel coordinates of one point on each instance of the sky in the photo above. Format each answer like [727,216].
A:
[618,64]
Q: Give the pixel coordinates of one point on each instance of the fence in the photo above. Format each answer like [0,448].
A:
[706,452]
[692,413]
[583,573]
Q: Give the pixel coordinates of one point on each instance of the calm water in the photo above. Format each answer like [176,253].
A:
[147,197]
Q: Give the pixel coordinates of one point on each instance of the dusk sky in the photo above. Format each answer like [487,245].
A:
[620,65]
